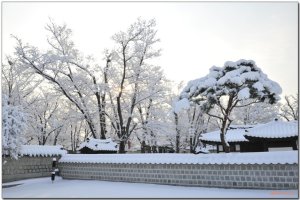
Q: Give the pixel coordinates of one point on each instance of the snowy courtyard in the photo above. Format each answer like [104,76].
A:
[61,188]
[124,101]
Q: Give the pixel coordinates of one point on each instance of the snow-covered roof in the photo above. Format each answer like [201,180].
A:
[42,150]
[274,129]
[99,144]
[278,157]
[234,134]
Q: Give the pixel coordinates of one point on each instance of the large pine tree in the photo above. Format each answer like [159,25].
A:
[229,87]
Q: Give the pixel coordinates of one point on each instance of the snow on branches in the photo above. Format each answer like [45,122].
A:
[242,79]
[13,125]
[229,87]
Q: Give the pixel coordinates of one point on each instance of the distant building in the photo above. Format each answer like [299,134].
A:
[273,136]
[98,146]
[165,147]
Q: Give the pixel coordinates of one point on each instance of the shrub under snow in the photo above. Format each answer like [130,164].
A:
[13,125]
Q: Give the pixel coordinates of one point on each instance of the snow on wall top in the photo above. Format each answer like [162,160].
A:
[99,144]
[42,150]
[274,129]
[234,134]
[278,157]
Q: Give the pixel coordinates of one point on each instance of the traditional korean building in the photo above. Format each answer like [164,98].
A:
[272,136]
[235,138]
[98,146]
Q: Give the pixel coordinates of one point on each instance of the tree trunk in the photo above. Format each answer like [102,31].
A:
[154,149]
[226,123]
[191,145]
[177,143]
[122,147]
[177,133]
[224,144]
[102,125]
[143,147]
[55,140]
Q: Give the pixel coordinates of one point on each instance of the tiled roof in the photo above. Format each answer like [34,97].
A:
[274,129]
[234,134]
[99,144]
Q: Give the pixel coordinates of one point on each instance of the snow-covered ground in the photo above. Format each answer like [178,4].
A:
[61,188]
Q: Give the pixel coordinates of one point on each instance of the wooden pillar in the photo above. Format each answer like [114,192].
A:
[265,146]
[295,145]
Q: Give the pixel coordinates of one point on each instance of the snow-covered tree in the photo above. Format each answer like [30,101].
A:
[13,128]
[46,120]
[134,47]
[198,124]
[18,82]
[227,88]
[290,109]
[103,95]
[258,113]
[75,129]
[73,75]
[191,122]
[152,111]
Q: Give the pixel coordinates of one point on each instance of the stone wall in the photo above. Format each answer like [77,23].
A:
[258,176]
[26,167]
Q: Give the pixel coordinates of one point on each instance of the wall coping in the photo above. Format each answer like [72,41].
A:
[42,150]
[280,157]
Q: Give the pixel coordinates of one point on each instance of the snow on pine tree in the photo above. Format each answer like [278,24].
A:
[13,125]
[229,87]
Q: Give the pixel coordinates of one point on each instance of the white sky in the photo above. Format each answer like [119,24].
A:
[194,36]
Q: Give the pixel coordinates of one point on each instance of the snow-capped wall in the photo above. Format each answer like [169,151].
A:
[189,170]
[26,167]
[42,150]
[287,157]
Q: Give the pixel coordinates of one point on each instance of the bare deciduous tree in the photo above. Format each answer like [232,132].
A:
[290,109]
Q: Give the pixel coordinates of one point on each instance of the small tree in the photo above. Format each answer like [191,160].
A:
[230,87]
[13,125]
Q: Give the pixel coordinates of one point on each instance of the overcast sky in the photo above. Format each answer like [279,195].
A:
[194,36]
